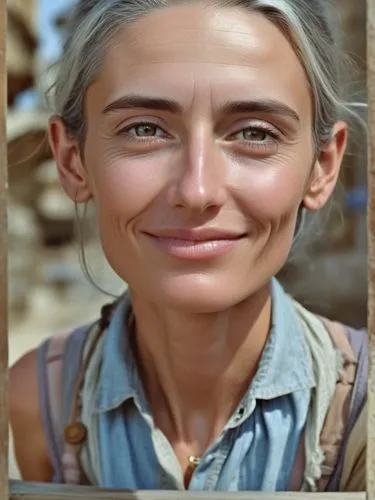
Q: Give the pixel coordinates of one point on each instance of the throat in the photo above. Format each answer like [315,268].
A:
[195,369]
[193,353]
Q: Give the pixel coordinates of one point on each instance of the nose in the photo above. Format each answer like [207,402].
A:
[200,183]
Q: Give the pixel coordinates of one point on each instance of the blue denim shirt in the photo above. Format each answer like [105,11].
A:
[257,447]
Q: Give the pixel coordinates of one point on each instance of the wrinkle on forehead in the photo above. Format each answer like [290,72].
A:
[202,35]
[176,51]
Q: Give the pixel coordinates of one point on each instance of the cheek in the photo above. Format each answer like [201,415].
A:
[124,187]
[270,193]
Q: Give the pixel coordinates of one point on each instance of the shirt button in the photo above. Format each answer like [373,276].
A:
[75,433]
[240,414]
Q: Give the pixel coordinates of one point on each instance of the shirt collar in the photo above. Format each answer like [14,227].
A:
[118,379]
[285,365]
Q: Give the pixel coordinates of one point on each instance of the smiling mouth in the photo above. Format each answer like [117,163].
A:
[195,245]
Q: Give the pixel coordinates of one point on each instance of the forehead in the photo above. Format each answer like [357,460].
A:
[193,50]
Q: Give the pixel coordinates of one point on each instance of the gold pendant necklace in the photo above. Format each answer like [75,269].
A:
[193,461]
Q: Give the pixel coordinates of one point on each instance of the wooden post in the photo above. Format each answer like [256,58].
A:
[3,266]
[371,243]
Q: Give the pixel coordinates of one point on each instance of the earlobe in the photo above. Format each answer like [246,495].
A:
[326,169]
[72,174]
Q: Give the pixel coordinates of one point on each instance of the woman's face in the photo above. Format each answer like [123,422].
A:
[198,154]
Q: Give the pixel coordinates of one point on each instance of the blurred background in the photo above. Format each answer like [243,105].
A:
[48,292]
[47,288]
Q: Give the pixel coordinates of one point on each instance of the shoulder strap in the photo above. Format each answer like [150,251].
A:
[62,363]
[359,343]
[56,380]
[347,402]
[335,425]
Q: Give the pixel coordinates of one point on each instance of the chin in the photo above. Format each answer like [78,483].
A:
[197,295]
[196,304]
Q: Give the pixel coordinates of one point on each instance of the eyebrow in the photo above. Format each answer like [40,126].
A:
[138,101]
[262,105]
[268,106]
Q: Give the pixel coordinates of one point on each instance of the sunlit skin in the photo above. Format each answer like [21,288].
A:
[198,155]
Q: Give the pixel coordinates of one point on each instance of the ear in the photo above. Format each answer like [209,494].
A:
[326,169]
[72,174]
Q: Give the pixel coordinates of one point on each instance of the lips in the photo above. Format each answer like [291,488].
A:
[194,244]
[196,235]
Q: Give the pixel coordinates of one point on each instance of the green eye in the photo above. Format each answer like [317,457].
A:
[146,130]
[255,134]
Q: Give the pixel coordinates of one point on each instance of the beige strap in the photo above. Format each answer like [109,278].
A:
[335,423]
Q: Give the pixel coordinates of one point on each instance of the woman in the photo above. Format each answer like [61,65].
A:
[201,131]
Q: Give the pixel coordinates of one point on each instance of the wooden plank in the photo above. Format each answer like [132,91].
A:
[3,267]
[36,491]
[371,242]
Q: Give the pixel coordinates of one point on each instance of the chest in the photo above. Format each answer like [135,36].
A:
[255,452]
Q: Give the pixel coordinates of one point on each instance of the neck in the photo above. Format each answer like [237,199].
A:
[196,367]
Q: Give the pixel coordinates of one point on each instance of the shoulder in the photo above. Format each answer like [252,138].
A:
[25,417]
[24,385]
[38,382]
[352,342]
[23,380]
[353,476]
[350,401]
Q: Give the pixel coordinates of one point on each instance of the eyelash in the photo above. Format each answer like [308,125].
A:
[260,146]
[261,128]
[273,138]
[126,131]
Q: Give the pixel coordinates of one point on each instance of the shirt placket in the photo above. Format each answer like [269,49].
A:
[207,474]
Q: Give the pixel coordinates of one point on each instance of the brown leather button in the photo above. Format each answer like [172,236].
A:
[75,433]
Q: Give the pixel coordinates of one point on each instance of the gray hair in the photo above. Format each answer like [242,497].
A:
[94,23]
